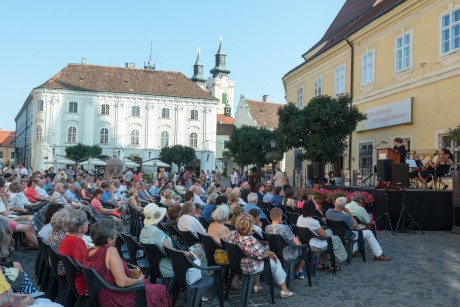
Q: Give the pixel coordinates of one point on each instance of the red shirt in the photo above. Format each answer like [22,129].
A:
[30,194]
[75,247]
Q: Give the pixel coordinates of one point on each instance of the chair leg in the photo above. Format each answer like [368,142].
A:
[307,260]
[218,285]
[175,295]
[230,284]
[268,273]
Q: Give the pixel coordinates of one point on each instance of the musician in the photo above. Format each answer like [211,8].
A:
[399,147]
[414,173]
[444,157]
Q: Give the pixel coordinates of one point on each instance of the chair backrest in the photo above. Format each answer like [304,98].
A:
[269,206]
[204,222]
[71,270]
[267,214]
[180,264]
[293,216]
[304,234]
[133,247]
[209,246]
[173,231]
[92,278]
[288,209]
[258,237]
[54,260]
[189,238]
[230,227]
[154,255]
[442,170]
[162,227]
[339,228]
[235,255]
[358,220]
[277,244]
[43,250]
[320,220]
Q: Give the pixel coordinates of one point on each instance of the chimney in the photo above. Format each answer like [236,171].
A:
[265,98]
[83,61]
[130,65]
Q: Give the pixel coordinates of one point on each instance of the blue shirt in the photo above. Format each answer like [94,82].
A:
[153,190]
[106,196]
[153,235]
[207,211]
[254,206]
[277,200]
[71,195]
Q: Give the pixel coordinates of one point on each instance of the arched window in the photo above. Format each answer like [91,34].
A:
[73,107]
[135,137]
[39,134]
[136,111]
[194,114]
[164,139]
[105,109]
[165,113]
[72,135]
[104,136]
[40,106]
[193,140]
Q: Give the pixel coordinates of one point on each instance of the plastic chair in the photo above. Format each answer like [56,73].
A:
[341,229]
[189,238]
[154,255]
[370,226]
[64,295]
[134,247]
[97,283]
[235,255]
[293,216]
[204,222]
[72,270]
[210,246]
[181,263]
[305,235]
[277,243]
[173,231]
[47,282]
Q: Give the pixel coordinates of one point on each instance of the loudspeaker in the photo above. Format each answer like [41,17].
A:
[384,169]
[400,175]
[318,170]
[309,172]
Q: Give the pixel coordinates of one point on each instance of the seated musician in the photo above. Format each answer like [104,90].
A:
[414,173]
[444,157]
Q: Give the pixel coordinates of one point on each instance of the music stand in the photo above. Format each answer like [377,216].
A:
[404,212]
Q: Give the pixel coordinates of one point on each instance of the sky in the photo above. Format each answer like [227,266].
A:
[263,40]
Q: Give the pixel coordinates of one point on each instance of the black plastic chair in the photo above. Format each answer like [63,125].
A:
[265,223]
[64,295]
[181,263]
[341,229]
[320,220]
[259,237]
[293,216]
[173,231]
[372,226]
[210,246]
[204,222]
[189,238]
[305,235]
[48,283]
[235,255]
[97,283]
[134,247]
[71,271]
[267,214]
[277,243]
[154,255]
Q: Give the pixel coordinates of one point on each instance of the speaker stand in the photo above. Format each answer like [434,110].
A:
[386,213]
[402,216]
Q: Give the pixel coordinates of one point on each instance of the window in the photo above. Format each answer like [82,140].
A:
[299,101]
[224,98]
[367,68]
[105,109]
[104,136]
[40,106]
[445,141]
[13,155]
[450,32]
[365,159]
[226,144]
[72,135]
[39,134]
[318,86]
[135,137]
[194,114]
[340,80]
[164,139]
[165,113]
[403,52]
[298,159]
[73,107]
[1,154]
[136,111]
[193,140]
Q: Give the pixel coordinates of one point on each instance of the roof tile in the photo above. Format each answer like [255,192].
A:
[264,113]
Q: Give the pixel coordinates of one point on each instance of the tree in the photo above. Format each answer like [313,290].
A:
[80,151]
[177,154]
[454,133]
[321,127]
[251,145]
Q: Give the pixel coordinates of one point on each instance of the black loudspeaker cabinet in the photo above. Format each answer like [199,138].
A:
[400,175]
[318,170]
[384,169]
[309,172]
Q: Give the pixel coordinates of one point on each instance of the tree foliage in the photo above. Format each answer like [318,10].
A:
[251,145]
[80,151]
[321,127]
[455,133]
[177,154]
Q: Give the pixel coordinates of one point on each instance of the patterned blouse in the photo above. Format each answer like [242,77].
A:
[55,240]
[289,252]
[252,247]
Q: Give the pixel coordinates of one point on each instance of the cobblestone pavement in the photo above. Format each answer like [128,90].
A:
[424,271]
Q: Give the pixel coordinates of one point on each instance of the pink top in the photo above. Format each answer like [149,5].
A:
[95,203]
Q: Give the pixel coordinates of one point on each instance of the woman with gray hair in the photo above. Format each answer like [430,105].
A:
[72,245]
[58,223]
[217,229]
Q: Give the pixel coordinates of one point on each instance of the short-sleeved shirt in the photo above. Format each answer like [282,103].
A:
[359,212]
[95,205]
[106,196]
[254,206]
[252,247]
[70,173]
[75,247]
[289,252]
[277,200]
[207,211]
[154,235]
[313,224]
[31,194]
[268,198]
[339,216]
[190,223]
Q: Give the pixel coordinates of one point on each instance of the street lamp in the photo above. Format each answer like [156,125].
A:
[273,145]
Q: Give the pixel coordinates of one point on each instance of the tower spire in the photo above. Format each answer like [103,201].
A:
[198,71]
[150,64]
[220,70]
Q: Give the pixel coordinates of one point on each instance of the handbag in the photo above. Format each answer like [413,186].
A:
[15,277]
[134,270]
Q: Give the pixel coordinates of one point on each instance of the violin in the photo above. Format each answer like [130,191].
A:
[428,166]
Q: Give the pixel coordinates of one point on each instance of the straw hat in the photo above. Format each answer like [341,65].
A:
[153,214]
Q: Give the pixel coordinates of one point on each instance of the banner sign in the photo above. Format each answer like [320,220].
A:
[386,115]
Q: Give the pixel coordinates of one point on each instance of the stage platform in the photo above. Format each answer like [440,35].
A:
[432,210]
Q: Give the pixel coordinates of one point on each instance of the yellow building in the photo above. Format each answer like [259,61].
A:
[7,147]
[400,63]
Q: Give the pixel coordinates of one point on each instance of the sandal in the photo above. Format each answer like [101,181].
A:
[323,266]
[337,269]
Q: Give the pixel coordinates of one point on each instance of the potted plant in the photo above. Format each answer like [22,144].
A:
[320,196]
[334,194]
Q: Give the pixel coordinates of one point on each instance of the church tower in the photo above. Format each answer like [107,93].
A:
[220,85]
[198,77]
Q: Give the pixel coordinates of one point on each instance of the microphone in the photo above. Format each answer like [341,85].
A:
[384,142]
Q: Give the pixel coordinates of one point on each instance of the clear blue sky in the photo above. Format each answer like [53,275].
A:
[263,40]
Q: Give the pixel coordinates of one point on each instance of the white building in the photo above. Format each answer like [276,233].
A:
[129,112]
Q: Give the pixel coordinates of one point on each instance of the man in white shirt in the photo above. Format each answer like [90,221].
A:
[39,188]
[361,213]
[196,190]
[188,221]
